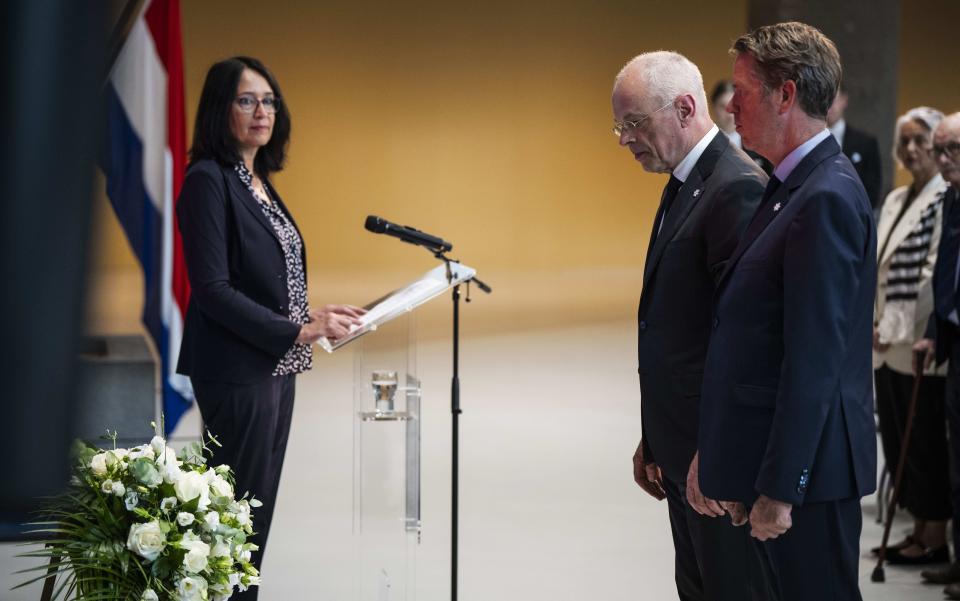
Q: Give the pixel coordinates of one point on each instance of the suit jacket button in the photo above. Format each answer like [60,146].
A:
[643,325]
[716,323]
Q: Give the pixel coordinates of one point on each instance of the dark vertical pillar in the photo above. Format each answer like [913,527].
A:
[51,53]
[867,34]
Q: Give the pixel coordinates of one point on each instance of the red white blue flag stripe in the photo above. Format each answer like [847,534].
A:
[144,162]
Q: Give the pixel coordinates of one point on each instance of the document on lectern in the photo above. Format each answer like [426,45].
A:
[432,284]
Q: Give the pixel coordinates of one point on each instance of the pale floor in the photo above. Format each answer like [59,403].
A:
[549,510]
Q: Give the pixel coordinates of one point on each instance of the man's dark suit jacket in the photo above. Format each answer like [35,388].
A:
[699,234]
[237,325]
[939,328]
[862,150]
[787,407]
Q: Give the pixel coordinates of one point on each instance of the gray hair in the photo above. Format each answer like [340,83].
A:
[927,117]
[665,76]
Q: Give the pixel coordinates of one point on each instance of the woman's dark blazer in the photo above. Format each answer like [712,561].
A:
[237,325]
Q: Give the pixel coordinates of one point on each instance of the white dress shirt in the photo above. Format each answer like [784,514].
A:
[790,162]
[684,167]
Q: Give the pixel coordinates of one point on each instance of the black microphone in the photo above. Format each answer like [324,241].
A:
[407,234]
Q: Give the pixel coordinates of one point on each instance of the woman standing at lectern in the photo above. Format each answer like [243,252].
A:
[249,330]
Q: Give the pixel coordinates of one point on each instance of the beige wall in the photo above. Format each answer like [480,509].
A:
[928,59]
[487,124]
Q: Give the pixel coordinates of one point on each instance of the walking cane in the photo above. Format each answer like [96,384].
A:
[918,357]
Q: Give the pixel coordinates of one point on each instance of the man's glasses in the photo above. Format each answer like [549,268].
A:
[951,150]
[632,125]
[247,103]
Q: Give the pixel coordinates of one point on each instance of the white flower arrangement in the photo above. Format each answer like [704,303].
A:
[147,524]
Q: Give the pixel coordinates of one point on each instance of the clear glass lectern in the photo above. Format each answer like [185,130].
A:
[386,436]
[386,461]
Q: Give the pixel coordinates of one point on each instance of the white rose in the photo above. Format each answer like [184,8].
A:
[191,588]
[142,451]
[99,464]
[168,503]
[131,501]
[171,473]
[185,519]
[149,595]
[220,549]
[196,558]
[158,444]
[243,514]
[211,521]
[107,486]
[221,488]
[118,489]
[190,486]
[168,456]
[146,540]
[193,541]
[220,592]
[120,454]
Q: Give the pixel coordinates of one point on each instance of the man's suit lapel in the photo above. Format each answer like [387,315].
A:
[239,190]
[775,205]
[687,197]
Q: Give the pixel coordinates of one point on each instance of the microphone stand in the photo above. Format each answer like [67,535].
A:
[455,412]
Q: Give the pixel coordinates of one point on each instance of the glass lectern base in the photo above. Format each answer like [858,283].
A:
[386,459]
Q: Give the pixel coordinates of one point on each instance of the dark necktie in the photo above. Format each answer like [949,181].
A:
[669,194]
[666,201]
[772,186]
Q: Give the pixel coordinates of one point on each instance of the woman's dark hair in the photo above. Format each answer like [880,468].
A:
[723,86]
[212,137]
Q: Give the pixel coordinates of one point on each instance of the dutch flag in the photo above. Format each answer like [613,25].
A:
[144,161]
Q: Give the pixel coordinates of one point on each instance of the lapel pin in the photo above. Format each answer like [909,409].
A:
[696,193]
[776,207]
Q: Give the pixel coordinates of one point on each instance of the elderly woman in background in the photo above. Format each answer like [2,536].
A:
[248,330]
[908,233]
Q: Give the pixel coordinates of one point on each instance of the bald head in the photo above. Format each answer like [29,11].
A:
[946,145]
[661,108]
[950,122]
[662,76]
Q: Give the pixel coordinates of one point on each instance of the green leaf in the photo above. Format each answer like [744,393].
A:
[193,453]
[143,513]
[146,472]
[163,568]
[191,505]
